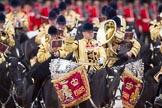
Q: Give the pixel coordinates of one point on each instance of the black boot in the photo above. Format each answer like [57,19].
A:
[158,100]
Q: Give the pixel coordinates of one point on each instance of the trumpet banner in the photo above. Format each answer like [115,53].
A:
[131,89]
[73,88]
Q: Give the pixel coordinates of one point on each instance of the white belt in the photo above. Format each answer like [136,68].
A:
[146,20]
[130,19]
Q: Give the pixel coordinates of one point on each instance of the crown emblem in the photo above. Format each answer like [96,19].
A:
[129,86]
[74,82]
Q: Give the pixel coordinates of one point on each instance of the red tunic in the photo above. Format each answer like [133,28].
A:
[93,13]
[129,15]
[154,8]
[138,17]
[79,10]
[7,8]
[145,19]
[55,5]
[35,18]
[45,11]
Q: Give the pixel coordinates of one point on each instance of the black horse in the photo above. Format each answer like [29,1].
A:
[41,94]
[5,86]
[47,96]
[145,54]
[28,49]
[20,36]
[150,55]
[9,80]
[16,91]
[100,89]
[156,53]
[150,89]
[150,86]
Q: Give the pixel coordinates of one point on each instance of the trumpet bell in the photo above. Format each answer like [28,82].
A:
[106,31]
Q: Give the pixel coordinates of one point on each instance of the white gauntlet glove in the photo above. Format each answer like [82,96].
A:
[73,32]
[56,54]
[100,61]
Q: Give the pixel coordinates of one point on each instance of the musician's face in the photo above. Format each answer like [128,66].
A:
[18,8]
[1,25]
[60,27]
[102,17]
[146,5]
[52,22]
[53,37]
[88,34]
[79,3]
[63,12]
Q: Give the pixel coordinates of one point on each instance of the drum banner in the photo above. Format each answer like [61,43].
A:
[73,88]
[131,89]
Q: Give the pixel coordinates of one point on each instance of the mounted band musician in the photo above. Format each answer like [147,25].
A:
[61,34]
[72,19]
[6,35]
[156,37]
[19,20]
[71,16]
[111,37]
[52,16]
[40,70]
[87,51]
[54,20]
[46,50]
[16,16]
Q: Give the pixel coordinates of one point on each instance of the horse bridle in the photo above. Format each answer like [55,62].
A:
[19,63]
[110,78]
[12,91]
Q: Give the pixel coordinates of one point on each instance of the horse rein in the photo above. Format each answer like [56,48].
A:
[12,94]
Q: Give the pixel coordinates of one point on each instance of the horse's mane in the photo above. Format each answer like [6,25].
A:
[30,48]
[3,73]
[157,57]
[152,72]
[145,53]
[98,86]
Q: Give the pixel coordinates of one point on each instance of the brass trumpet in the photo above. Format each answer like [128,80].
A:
[106,31]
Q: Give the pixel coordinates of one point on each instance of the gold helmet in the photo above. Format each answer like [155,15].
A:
[106,31]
